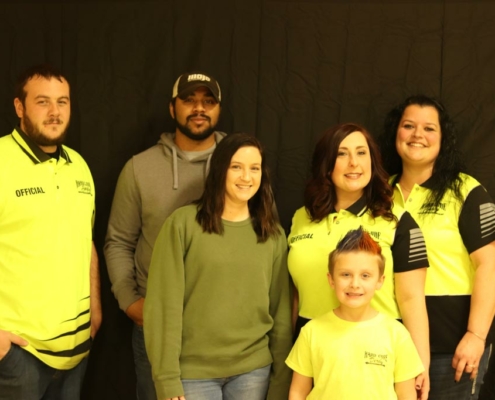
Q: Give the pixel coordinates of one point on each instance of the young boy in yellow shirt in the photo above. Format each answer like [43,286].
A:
[354,352]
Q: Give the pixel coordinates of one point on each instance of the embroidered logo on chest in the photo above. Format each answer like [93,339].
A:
[375,359]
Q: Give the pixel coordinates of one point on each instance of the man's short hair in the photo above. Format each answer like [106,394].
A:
[187,83]
[357,240]
[41,70]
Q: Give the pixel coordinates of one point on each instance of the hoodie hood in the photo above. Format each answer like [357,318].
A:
[175,153]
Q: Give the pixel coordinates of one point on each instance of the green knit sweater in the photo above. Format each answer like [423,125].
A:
[217,305]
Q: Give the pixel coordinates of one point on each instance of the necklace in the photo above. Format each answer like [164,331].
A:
[404,188]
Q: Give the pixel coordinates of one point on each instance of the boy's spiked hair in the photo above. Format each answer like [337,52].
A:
[354,241]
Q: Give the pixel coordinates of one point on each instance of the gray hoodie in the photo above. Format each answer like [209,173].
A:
[151,186]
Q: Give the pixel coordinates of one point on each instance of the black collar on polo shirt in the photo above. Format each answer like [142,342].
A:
[358,208]
[40,155]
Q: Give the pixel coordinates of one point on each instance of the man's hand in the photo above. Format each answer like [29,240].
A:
[6,340]
[135,311]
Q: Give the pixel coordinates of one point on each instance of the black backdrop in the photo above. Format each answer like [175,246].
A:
[287,69]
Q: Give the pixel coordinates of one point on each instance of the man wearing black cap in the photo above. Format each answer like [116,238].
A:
[151,186]
[195,107]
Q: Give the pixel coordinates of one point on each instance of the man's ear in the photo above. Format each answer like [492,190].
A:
[172,110]
[19,107]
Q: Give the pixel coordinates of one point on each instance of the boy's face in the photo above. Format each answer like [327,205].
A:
[355,278]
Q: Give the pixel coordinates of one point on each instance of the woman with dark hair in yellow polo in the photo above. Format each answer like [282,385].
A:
[457,217]
[348,188]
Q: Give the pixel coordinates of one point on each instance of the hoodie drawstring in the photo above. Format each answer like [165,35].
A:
[175,169]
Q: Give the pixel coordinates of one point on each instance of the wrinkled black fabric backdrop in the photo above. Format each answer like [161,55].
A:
[287,69]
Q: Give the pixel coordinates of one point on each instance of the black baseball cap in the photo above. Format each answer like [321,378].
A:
[187,83]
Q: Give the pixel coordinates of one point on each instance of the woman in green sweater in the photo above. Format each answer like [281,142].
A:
[217,310]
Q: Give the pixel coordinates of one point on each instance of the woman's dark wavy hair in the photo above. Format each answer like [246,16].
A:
[212,202]
[448,164]
[320,197]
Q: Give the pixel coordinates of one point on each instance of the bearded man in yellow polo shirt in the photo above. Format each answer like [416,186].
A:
[49,295]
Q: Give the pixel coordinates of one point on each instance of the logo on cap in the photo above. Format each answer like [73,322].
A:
[198,77]
[188,82]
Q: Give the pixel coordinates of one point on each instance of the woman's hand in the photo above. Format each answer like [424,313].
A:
[467,356]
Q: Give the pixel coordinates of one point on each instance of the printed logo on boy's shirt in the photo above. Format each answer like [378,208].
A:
[301,237]
[375,359]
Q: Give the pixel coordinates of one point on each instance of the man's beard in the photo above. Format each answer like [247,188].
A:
[39,137]
[195,136]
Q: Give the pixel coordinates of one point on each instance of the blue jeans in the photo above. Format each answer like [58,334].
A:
[24,377]
[145,388]
[249,386]
[442,382]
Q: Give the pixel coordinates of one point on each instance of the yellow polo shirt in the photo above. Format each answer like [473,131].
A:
[452,233]
[311,242]
[46,219]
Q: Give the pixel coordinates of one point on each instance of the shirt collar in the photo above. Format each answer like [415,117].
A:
[32,150]
[358,208]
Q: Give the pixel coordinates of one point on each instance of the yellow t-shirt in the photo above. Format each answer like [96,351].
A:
[355,360]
